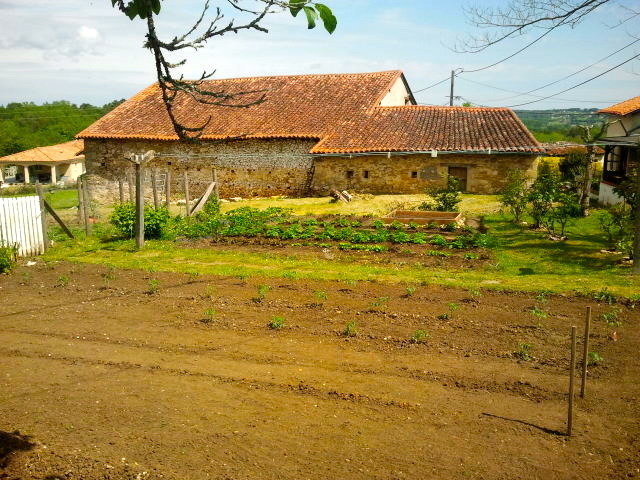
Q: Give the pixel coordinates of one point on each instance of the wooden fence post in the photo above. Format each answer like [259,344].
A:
[86,200]
[43,216]
[139,202]
[186,193]
[572,372]
[585,352]
[121,190]
[154,187]
[167,187]
[80,200]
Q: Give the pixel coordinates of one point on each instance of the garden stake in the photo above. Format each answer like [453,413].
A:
[585,352]
[572,370]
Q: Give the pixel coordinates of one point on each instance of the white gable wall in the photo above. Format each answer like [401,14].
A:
[397,96]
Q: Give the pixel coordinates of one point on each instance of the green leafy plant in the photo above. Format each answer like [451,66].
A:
[123,218]
[611,318]
[321,295]
[443,316]
[410,290]
[443,199]
[605,296]
[594,358]
[524,352]
[193,276]
[276,323]
[438,253]
[63,281]
[350,330]
[538,312]
[8,255]
[419,336]
[454,307]
[470,256]
[380,301]
[209,315]
[153,286]
[262,293]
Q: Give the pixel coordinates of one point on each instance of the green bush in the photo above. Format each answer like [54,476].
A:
[7,257]
[123,219]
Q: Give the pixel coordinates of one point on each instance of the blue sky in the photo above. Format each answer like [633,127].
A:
[85,51]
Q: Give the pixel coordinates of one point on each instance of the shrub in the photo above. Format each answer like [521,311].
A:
[616,224]
[443,199]
[543,193]
[8,255]
[123,219]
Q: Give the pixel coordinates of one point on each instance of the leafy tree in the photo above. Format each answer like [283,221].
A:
[253,12]
[543,192]
[564,209]
[514,196]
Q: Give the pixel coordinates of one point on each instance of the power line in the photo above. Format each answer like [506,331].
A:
[579,84]
[433,85]
[571,74]
[538,96]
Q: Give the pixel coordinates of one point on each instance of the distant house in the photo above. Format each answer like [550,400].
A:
[313,133]
[622,147]
[53,164]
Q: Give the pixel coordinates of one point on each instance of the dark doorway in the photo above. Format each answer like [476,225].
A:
[460,174]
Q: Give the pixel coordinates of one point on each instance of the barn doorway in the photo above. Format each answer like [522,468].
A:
[460,174]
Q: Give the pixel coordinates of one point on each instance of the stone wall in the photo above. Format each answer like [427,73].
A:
[379,174]
[244,168]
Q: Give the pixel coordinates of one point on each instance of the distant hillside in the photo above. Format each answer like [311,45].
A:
[27,125]
[558,124]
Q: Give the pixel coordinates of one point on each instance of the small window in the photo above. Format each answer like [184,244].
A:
[365,174]
[349,173]
[414,174]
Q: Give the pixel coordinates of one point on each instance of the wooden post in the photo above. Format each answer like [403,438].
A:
[139,202]
[121,190]
[585,352]
[167,187]
[186,193]
[154,186]
[86,201]
[132,196]
[216,190]
[572,371]
[43,216]
[80,200]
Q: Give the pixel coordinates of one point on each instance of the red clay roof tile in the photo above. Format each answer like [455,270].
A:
[623,108]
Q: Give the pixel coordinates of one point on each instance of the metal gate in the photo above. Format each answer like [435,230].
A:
[21,224]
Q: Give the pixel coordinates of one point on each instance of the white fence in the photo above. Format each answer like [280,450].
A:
[21,224]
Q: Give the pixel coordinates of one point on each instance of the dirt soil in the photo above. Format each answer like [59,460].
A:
[113,374]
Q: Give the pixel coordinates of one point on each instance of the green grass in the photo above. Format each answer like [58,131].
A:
[62,198]
[366,205]
[523,260]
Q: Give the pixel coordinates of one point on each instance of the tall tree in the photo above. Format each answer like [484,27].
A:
[253,13]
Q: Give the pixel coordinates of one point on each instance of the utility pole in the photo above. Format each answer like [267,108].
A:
[453,76]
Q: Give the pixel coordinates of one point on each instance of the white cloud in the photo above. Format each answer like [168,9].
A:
[88,33]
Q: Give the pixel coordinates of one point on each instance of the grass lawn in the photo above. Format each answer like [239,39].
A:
[524,260]
[62,198]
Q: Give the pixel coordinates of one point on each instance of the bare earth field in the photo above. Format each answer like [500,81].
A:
[101,378]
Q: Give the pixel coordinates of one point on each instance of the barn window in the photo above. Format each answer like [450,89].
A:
[365,174]
[414,174]
[349,173]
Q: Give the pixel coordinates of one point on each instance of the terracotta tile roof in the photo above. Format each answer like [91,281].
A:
[423,128]
[301,106]
[53,153]
[623,108]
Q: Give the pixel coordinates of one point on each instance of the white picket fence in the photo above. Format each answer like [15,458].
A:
[21,224]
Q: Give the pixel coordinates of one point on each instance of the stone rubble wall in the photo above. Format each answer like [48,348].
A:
[244,168]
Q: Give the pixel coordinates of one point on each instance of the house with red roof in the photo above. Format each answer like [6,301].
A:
[622,147]
[313,133]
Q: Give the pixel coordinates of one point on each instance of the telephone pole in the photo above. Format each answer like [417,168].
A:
[453,76]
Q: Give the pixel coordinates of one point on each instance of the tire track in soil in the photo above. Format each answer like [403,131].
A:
[302,388]
[519,388]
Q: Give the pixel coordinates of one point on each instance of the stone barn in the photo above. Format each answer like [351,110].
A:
[311,134]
